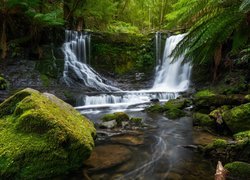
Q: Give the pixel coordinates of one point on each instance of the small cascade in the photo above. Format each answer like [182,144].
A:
[172,76]
[124,99]
[77,72]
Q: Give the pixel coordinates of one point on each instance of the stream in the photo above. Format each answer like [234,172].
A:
[161,148]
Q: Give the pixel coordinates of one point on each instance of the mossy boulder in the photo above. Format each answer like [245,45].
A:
[171,109]
[174,113]
[41,136]
[238,118]
[118,116]
[136,120]
[200,119]
[176,103]
[228,150]
[206,99]
[242,136]
[238,170]
[3,83]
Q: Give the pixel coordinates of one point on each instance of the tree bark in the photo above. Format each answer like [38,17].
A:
[217,61]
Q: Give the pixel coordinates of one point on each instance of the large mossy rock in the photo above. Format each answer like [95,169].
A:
[238,118]
[238,170]
[206,99]
[41,136]
[204,120]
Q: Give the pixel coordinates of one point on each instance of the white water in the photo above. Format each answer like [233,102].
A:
[76,70]
[170,78]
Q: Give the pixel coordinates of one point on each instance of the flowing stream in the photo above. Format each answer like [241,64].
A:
[161,152]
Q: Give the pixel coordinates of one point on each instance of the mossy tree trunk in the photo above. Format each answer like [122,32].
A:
[217,61]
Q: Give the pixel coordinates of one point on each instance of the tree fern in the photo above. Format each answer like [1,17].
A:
[213,21]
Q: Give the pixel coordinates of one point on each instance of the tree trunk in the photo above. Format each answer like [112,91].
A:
[217,61]
[4,41]
[80,24]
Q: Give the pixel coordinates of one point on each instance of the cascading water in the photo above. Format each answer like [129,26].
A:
[170,78]
[76,70]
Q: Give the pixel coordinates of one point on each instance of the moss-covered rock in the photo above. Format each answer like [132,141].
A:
[156,108]
[171,109]
[176,103]
[238,118]
[136,120]
[200,119]
[247,97]
[3,83]
[238,170]
[174,113]
[206,99]
[118,116]
[242,136]
[41,136]
[228,151]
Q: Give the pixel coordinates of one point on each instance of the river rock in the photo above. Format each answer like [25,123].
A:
[41,136]
[107,156]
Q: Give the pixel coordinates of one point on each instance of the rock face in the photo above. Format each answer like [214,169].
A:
[41,136]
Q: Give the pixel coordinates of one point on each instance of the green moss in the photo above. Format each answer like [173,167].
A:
[238,118]
[156,108]
[108,117]
[175,103]
[118,116]
[218,143]
[174,113]
[202,120]
[203,93]
[238,169]
[247,97]
[245,135]
[3,83]
[136,120]
[41,136]
[45,80]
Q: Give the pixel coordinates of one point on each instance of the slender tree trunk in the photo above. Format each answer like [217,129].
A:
[162,12]
[80,24]
[217,61]
[4,41]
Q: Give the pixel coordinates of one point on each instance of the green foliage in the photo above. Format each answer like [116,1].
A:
[204,120]
[3,83]
[210,24]
[41,136]
[122,27]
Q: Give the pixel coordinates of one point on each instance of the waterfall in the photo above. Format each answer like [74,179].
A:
[77,72]
[172,76]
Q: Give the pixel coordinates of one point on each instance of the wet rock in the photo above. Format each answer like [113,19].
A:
[128,139]
[173,176]
[201,137]
[119,117]
[107,156]
[154,100]
[238,170]
[108,125]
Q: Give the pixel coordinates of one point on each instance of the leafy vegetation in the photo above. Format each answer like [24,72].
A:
[211,24]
